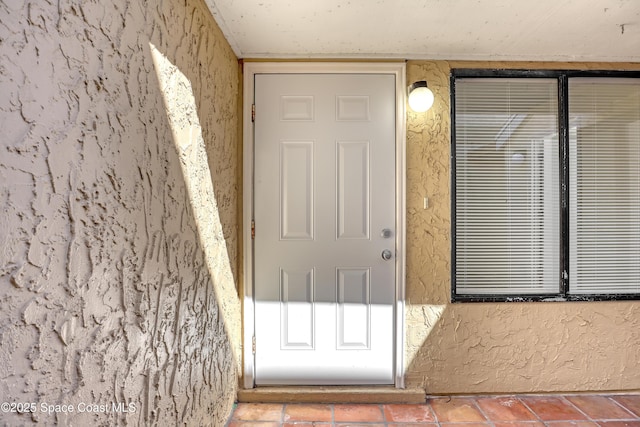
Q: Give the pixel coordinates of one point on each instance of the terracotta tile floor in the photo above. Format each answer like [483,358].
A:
[583,410]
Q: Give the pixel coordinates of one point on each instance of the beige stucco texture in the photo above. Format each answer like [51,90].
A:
[118,232]
[494,347]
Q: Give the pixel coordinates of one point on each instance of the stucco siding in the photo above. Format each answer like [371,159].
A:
[118,232]
[495,347]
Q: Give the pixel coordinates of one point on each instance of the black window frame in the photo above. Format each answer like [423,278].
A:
[562,77]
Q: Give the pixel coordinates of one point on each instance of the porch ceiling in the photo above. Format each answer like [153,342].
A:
[541,30]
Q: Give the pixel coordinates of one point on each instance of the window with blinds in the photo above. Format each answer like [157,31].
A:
[546,185]
[604,165]
[506,186]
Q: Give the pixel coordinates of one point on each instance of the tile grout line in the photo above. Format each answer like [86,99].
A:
[384,416]
[333,415]
[284,406]
[635,417]
[563,397]
[475,402]
[433,412]
[535,414]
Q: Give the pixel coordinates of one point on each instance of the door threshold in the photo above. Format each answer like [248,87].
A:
[331,394]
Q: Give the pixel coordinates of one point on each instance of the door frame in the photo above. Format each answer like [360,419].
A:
[398,69]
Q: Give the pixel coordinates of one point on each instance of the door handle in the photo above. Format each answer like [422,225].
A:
[386,255]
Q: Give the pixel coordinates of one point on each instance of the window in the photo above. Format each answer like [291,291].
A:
[546,185]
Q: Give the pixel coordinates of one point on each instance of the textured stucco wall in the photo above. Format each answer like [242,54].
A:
[498,347]
[118,231]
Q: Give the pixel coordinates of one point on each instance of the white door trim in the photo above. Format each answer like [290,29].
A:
[250,70]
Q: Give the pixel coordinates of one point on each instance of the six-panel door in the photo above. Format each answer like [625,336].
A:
[324,189]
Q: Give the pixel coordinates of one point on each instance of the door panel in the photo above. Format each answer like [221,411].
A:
[324,186]
[296,190]
[353,189]
[354,308]
[297,317]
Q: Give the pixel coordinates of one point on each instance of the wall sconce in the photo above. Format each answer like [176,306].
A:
[420,97]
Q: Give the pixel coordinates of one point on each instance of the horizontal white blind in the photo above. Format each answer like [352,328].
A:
[604,161]
[506,186]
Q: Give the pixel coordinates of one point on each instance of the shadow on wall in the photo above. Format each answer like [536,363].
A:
[117,270]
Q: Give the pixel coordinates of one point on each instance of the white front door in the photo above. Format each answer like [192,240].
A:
[325,217]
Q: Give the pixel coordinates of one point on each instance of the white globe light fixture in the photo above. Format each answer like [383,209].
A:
[420,97]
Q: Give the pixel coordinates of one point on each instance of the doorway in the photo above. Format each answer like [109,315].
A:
[325,150]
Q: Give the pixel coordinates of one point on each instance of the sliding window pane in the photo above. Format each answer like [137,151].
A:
[506,186]
[604,162]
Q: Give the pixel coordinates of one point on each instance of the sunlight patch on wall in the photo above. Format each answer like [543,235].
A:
[182,114]
[427,316]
